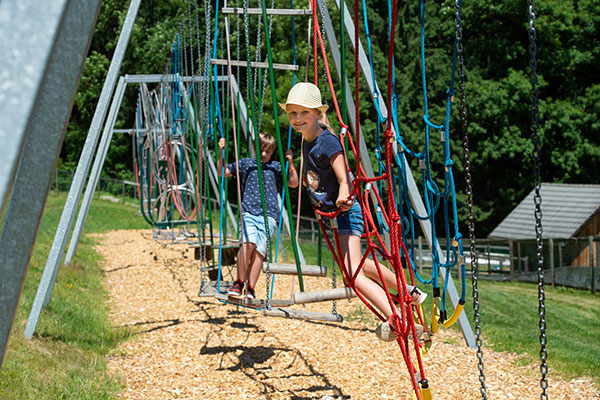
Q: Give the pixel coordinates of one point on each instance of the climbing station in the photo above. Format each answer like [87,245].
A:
[217,92]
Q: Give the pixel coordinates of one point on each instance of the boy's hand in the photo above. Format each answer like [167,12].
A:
[221,143]
[289,155]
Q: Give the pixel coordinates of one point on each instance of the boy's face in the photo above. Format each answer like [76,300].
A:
[266,153]
[302,119]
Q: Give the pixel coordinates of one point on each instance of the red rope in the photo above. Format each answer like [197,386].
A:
[402,321]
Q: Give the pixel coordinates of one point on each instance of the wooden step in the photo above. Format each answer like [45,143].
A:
[323,295]
[209,289]
[290,269]
[255,64]
[270,11]
[298,314]
[258,303]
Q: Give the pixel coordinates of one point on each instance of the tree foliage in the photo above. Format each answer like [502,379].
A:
[496,49]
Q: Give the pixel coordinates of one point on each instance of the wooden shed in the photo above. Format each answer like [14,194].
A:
[570,216]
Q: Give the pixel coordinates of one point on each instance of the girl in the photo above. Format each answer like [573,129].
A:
[329,185]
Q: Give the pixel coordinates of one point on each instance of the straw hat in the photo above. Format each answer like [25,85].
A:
[305,94]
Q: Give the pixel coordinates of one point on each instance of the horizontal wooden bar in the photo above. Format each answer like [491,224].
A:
[323,295]
[291,269]
[270,11]
[258,303]
[298,314]
[255,64]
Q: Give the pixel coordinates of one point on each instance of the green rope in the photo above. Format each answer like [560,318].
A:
[280,148]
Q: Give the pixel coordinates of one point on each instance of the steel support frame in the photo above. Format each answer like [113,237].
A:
[49,41]
[53,262]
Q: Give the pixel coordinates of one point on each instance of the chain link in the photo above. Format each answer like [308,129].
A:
[537,198]
[202,116]
[333,286]
[264,85]
[469,190]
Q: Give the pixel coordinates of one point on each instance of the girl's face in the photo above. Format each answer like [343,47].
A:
[304,120]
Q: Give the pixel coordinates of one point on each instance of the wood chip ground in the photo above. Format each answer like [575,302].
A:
[190,347]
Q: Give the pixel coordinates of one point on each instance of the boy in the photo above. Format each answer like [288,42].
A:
[254,243]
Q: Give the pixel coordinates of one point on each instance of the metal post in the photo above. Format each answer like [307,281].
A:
[60,239]
[551,259]
[511,259]
[29,32]
[31,26]
[560,258]
[96,170]
[489,257]
[592,277]
[56,179]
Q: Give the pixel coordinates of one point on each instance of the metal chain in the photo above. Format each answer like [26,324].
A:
[191,43]
[324,36]
[268,289]
[185,58]
[257,53]
[264,86]
[203,124]
[469,190]
[333,286]
[537,198]
[247,37]
[237,40]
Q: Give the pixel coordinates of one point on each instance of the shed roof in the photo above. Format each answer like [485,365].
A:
[565,210]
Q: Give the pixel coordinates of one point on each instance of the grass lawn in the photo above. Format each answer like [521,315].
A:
[66,357]
[510,322]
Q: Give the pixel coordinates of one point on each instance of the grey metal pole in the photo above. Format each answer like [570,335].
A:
[60,239]
[412,187]
[511,259]
[29,32]
[96,169]
[44,135]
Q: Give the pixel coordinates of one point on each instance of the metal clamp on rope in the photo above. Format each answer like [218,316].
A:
[443,135]
[368,187]
[343,131]
[422,163]
[334,223]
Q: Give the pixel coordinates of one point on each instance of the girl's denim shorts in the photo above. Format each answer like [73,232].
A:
[351,222]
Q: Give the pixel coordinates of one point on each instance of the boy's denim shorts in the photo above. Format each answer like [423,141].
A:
[351,222]
[254,231]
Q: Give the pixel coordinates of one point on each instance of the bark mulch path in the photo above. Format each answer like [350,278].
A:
[190,347]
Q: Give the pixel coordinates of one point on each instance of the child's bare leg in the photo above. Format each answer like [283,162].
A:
[255,266]
[243,258]
[350,246]
[388,275]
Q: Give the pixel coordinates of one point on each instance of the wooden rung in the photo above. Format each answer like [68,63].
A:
[258,303]
[290,269]
[270,11]
[196,245]
[297,314]
[323,295]
[237,63]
